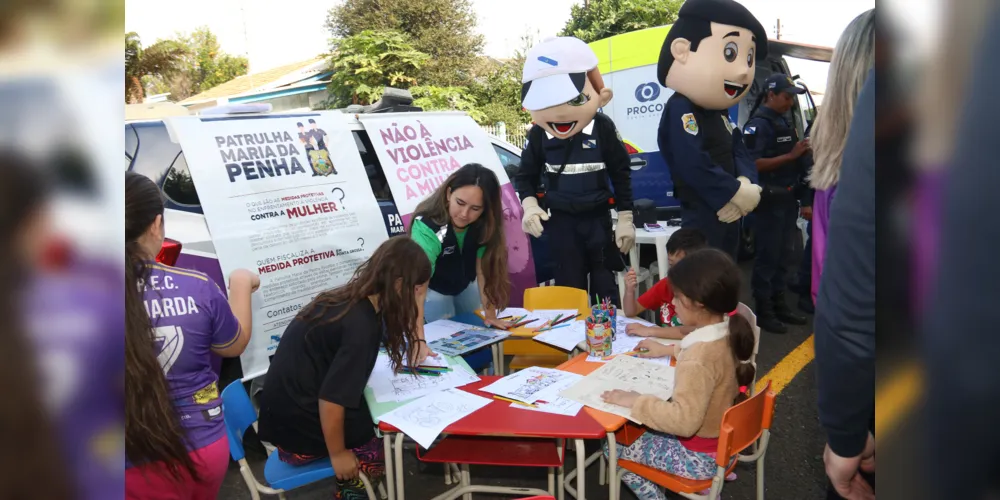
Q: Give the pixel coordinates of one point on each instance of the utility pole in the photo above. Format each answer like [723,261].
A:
[777,29]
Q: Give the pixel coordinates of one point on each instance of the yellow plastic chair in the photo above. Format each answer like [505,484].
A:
[528,352]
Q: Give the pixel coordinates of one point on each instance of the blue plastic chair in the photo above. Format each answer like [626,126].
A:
[239,415]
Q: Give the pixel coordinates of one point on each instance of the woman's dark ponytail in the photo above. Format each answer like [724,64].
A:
[741,341]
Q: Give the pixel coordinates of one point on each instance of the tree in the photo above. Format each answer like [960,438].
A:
[604,18]
[160,59]
[498,89]
[203,65]
[443,29]
[432,98]
[364,64]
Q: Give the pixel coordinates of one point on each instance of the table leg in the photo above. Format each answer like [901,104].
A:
[399,466]
[390,471]
[552,481]
[498,367]
[561,480]
[613,487]
[581,458]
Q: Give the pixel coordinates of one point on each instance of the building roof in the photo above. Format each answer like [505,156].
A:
[262,81]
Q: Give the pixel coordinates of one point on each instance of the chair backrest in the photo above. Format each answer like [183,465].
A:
[239,415]
[556,297]
[745,311]
[744,423]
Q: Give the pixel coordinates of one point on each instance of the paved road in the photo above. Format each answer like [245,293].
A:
[794,465]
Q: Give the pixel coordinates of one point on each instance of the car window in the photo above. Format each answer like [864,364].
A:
[376,177]
[178,185]
[131,142]
[510,161]
[154,153]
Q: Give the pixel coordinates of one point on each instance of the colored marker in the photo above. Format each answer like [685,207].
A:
[552,327]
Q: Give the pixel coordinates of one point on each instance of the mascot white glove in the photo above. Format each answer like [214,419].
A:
[729,213]
[625,232]
[531,223]
[747,196]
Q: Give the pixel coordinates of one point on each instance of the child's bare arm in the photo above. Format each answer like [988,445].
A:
[670,332]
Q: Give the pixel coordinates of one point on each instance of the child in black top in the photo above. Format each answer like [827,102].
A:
[314,406]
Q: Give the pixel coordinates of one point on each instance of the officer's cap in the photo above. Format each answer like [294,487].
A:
[780,82]
[555,72]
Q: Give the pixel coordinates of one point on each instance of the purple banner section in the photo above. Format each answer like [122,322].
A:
[520,262]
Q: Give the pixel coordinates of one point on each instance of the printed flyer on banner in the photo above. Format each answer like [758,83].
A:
[287,198]
[418,151]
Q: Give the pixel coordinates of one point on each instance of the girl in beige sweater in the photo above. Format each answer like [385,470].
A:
[712,363]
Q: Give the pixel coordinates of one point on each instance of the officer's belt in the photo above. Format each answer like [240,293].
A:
[575,168]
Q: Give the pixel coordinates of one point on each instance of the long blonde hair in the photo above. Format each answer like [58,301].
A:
[853,57]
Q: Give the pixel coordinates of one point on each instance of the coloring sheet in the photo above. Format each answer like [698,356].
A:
[530,384]
[439,361]
[515,312]
[442,328]
[547,314]
[389,386]
[424,419]
[559,405]
[466,340]
[565,337]
[625,373]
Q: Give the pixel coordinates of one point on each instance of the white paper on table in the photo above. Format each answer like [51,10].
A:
[625,373]
[424,419]
[559,406]
[439,361]
[442,328]
[564,337]
[531,384]
[514,312]
[622,324]
[388,386]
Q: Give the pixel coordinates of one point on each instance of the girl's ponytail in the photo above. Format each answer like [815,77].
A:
[741,341]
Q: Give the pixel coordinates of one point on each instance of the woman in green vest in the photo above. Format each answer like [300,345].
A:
[460,226]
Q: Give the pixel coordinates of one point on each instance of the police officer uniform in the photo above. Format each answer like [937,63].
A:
[770,135]
[705,153]
[579,180]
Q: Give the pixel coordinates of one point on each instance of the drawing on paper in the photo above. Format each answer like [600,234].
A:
[625,373]
[430,415]
[533,385]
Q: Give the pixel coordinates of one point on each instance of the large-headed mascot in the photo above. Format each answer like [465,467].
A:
[709,59]
[574,167]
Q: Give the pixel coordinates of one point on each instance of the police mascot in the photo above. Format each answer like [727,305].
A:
[574,167]
[708,59]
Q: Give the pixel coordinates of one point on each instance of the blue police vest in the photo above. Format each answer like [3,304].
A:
[575,179]
[783,140]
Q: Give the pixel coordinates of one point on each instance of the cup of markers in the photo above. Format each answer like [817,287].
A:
[600,331]
[606,308]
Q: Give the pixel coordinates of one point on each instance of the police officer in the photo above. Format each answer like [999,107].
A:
[574,167]
[778,154]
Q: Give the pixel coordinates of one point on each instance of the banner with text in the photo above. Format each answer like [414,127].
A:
[290,203]
[418,151]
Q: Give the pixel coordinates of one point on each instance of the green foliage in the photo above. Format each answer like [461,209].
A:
[432,98]
[443,29]
[498,89]
[160,59]
[364,64]
[605,18]
[198,65]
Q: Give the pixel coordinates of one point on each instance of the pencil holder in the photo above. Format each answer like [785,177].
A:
[609,312]
[599,332]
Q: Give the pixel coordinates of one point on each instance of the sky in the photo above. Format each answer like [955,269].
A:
[272,37]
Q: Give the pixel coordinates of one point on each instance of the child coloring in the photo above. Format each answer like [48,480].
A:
[712,363]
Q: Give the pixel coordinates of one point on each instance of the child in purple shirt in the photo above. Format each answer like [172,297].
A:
[175,439]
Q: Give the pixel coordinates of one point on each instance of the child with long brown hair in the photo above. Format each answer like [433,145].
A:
[175,437]
[461,228]
[313,406]
[712,363]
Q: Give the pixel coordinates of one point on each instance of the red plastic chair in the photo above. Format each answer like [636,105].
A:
[742,426]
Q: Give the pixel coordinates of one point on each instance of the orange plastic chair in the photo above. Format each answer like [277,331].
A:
[545,297]
[742,426]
